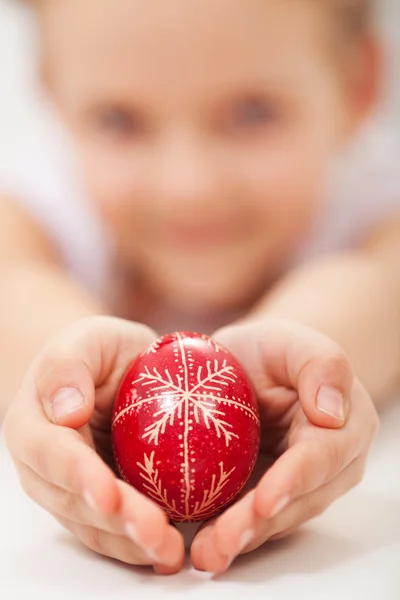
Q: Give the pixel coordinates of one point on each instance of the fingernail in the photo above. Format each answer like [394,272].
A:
[331,402]
[245,540]
[87,496]
[279,506]
[131,532]
[67,401]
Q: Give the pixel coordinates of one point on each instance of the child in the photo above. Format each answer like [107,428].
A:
[205,133]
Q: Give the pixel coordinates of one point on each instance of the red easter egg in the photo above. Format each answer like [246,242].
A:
[186,429]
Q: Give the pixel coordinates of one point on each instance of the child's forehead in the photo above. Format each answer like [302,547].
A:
[227,30]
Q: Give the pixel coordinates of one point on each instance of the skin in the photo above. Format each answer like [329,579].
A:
[205,162]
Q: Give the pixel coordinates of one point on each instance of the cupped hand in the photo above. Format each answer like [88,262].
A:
[318,424]
[58,432]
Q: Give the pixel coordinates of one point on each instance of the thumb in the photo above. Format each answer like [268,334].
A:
[67,392]
[84,362]
[325,385]
[278,353]
[318,369]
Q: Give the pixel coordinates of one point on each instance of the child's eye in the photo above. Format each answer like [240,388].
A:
[249,113]
[117,122]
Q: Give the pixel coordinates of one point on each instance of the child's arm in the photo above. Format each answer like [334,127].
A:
[354,299]
[37,298]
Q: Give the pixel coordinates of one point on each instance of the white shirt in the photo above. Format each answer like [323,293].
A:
[42,178]
[364,191]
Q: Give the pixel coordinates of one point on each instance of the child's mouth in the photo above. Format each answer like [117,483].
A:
[199,236]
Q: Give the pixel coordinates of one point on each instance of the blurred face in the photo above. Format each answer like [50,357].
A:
[204,131]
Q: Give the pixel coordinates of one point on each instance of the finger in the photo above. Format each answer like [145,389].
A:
[92,354]
[147,525]
[282,353]
[240,518]
[303,468]
[102,542]
[309,506]
[66,504]
[171,558]
[86,361]
[61,457]
[318,458]
[139,519]
[306,466]
[225,541]
[122,547]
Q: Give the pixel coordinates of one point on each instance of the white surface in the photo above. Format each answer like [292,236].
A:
[352,552]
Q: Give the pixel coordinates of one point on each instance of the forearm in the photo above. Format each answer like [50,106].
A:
[355,300]
[37,301]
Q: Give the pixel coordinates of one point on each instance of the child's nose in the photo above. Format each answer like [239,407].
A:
[184,176]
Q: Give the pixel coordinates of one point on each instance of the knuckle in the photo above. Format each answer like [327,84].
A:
[28,486]
[335,458]
[90,537]
[37,458]
[84,324]
[73,460]
[336,364]
[58,355]
[69,475]
[315,508]
[376,423]
[303,470]
[96,324]
[358,473]
[50,368]
[66,505]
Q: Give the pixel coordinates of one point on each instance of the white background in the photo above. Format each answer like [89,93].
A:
[351,553]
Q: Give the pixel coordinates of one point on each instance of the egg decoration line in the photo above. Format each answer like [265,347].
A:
[186,428]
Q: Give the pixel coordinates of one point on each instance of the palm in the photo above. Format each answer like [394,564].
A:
[97,433]
[283,421]
[283,424]
[308,456]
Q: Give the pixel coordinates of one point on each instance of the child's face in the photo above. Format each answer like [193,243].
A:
[205,130]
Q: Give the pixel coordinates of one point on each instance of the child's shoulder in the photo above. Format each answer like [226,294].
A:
[363,192]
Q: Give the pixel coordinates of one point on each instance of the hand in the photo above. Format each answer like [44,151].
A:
[58,433]
[318,423]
